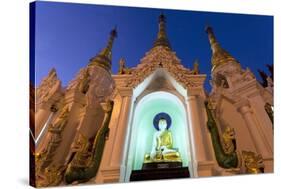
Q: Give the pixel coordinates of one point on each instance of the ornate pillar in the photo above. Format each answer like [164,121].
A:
[115,145]
[194,122]
[247,114]
[121,127]
[203,158]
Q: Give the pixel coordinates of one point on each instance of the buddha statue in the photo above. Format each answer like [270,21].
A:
[162,145]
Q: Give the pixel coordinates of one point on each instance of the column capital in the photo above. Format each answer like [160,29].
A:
[196,91]
[243,106]
[125,91]
[195,97]
[192,97]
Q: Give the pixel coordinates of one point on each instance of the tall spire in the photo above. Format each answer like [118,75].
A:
[162,39]
[103,59]
[219,55]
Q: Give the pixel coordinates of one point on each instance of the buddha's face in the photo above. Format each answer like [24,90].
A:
[162,124]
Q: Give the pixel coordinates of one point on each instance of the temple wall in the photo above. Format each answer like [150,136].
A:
[231,117]
[265,125]
[110,167]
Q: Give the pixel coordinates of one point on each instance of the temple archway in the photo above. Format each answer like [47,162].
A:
[147,104]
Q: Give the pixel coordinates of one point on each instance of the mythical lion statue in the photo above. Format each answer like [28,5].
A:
[253,163]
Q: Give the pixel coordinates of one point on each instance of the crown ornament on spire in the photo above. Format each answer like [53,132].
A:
[162,39]
[219,55]
[104,58]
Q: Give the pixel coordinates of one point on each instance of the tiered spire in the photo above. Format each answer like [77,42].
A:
[219,55]
[103,59]
[162,39]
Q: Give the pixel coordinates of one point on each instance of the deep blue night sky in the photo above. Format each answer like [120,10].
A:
[67,35]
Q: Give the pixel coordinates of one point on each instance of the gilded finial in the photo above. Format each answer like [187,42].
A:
[122,67]
[219,55]
[162,39]
[212,38]
[103,59]
[195,70]
[107,50]
[162,18]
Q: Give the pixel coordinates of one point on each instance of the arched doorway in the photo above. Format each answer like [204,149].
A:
[142,130]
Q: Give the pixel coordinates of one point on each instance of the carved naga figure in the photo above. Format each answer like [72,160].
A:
[44,158]
[226,159]
[84,171]
[53,176]
[60,123]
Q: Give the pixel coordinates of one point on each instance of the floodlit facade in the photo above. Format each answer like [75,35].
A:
[105,128]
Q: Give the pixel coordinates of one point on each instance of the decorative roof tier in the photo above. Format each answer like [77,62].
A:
[103,59]
[219,55]
[162,39]
[161,56]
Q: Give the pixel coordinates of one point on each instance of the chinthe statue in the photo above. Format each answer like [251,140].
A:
[162,145]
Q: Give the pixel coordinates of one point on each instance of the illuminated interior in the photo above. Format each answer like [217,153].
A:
[146,109]
[140,131]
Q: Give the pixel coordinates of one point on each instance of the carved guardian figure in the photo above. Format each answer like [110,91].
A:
[228,140]
[253,162]
[225,160]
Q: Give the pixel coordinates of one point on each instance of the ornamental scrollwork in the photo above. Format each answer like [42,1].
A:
[162,57]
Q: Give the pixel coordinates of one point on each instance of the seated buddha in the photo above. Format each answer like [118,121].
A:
[162,145]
